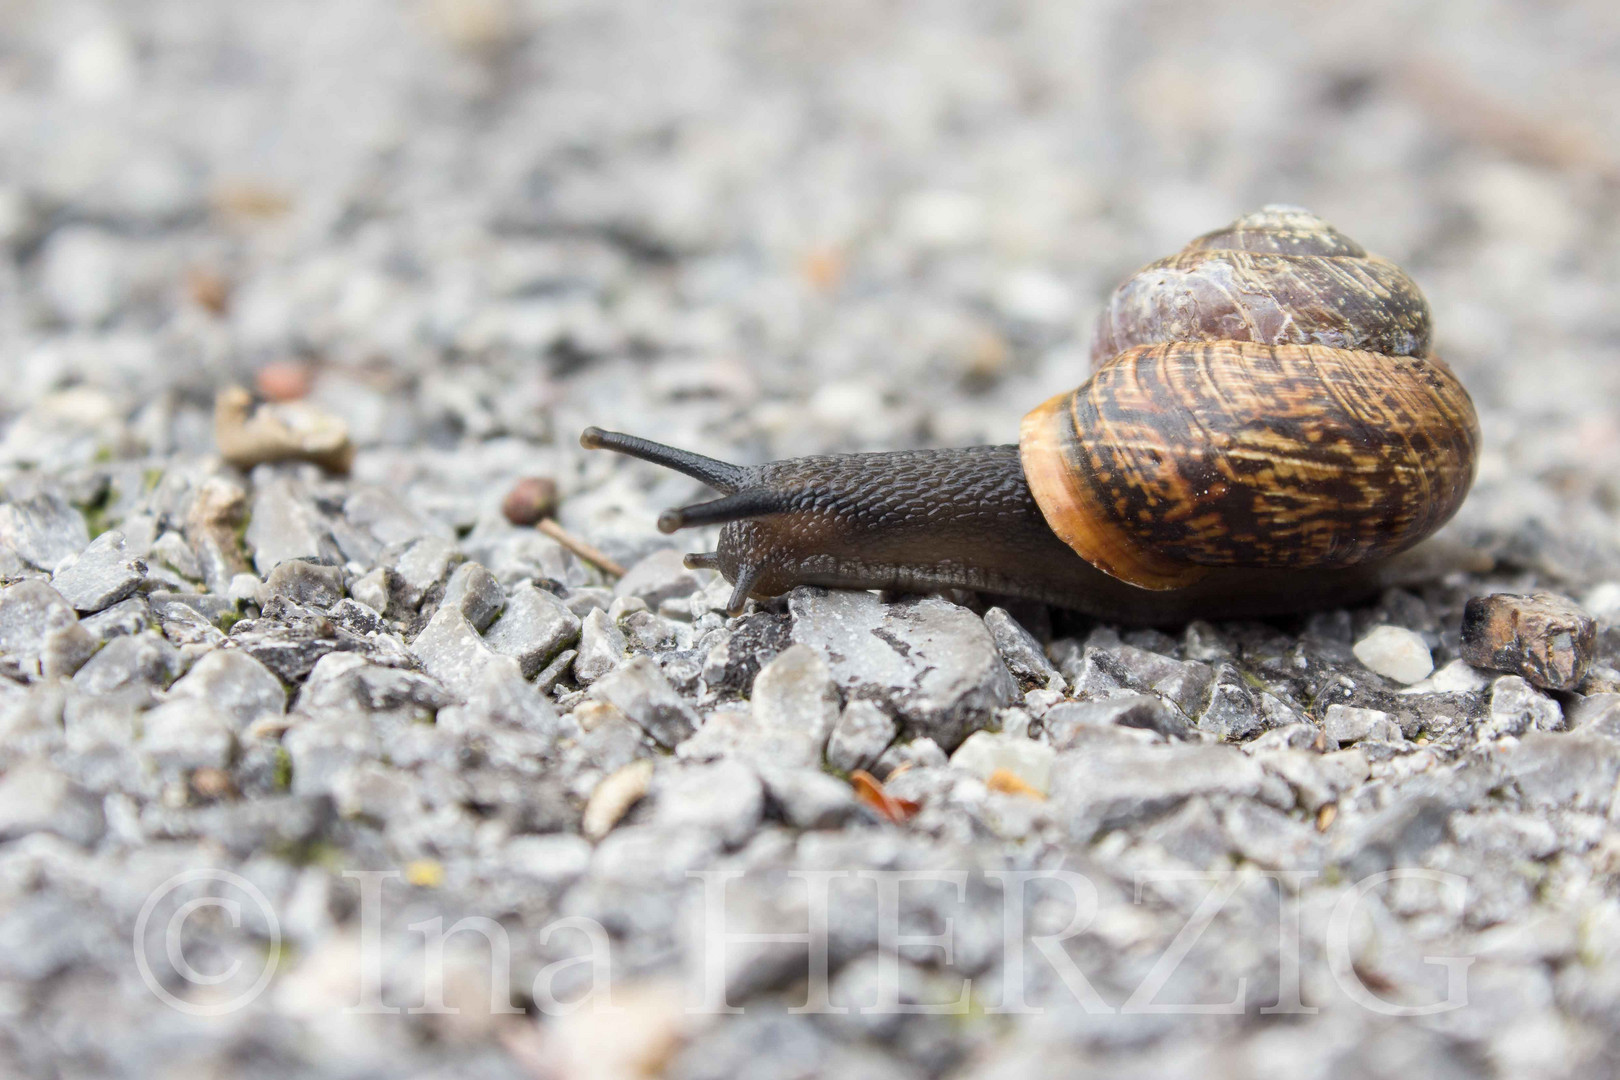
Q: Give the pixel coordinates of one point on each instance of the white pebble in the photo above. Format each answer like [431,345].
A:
[1395,653]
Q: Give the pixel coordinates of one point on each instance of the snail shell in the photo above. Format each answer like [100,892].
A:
[1264,398]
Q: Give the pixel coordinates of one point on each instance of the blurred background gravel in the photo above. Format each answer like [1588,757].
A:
[756,230]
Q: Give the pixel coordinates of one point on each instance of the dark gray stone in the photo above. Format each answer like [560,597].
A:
[639,690]
[473,591]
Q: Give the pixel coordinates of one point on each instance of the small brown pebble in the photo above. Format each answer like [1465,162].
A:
[1325,816]
[1543,637]
[211,783]
[531,499]
[283,380]
[209,289]
[247,200]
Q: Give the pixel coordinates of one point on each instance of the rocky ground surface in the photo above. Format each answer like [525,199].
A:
[466,231]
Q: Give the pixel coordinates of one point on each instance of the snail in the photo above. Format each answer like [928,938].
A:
[1264,431]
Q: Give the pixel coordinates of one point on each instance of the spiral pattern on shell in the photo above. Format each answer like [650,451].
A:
[1263,398]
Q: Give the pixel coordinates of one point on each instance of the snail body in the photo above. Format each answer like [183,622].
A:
[1264,431]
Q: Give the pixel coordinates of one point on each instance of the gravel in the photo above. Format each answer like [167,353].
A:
[379,705]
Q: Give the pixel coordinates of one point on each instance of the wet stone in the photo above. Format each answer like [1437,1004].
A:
[473,591]
[533,629]
[932,663]
[103,575]
[42,529]
[1544,638]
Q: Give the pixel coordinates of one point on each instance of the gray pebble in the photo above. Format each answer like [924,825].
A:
[451,650]
[859,736]
[125,617]
[724,799]
[285,524]
[185,734]
[305,582]
[473,591]
[1517,707]
[34,797]
[40,634]
[138,665]
[1347,724]
[1068,724]
[639,690]
[934,663]
[422,565]
[659,577]
[42,529]
[808,798]
[103,575]
[1020,651]
[235,684]
[534,627]
[601,647]
[1573,770]
[1110,786]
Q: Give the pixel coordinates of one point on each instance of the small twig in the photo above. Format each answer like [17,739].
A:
[579,547]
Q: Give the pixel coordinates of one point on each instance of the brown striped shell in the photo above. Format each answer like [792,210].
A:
[1263,398]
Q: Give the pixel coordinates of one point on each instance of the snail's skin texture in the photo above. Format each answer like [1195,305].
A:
[923,520]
